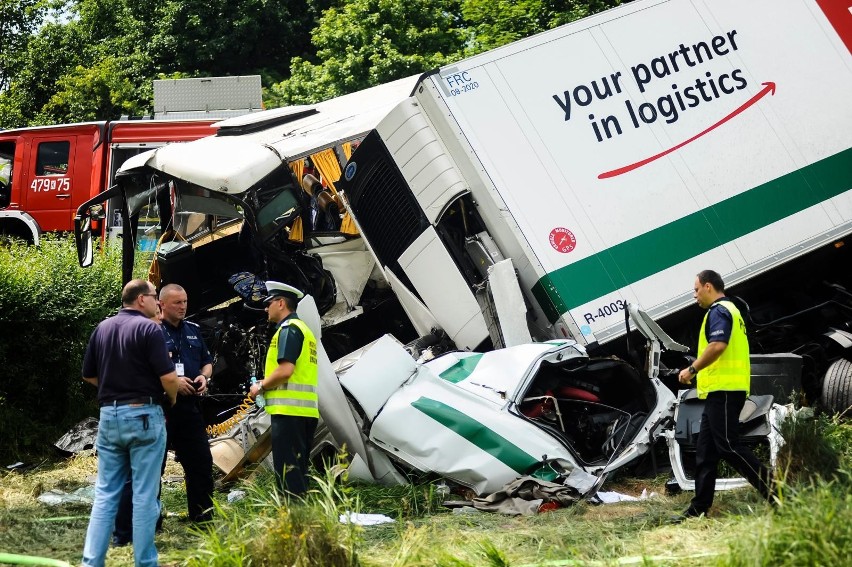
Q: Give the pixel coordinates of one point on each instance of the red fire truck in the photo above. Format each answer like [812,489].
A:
[47,172]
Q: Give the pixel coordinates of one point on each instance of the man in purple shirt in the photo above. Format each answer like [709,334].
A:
[128,362]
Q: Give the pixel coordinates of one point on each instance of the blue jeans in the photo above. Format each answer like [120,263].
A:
[130,438]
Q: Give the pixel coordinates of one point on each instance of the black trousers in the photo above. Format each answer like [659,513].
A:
[188,437]
[719,438]
[292,438]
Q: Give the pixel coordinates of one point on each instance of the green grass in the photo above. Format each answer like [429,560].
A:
[812,526]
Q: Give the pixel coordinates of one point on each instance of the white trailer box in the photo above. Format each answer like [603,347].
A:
[613,158]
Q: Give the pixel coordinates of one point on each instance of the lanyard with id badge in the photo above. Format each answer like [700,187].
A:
[179,367]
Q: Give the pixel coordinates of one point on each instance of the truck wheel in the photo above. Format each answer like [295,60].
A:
[10,230]
[837,387]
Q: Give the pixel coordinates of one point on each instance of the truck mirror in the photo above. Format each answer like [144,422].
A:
[83,239]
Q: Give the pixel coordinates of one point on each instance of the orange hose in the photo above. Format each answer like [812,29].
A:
[221,428]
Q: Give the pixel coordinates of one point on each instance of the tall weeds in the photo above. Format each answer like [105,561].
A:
[266,528]
[812,448]
[812,525]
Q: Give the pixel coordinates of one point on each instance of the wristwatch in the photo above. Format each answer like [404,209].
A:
[692,370]
[260,387]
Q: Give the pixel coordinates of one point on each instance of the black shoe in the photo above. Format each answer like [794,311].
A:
[204,518]
[120,541]
[688,513]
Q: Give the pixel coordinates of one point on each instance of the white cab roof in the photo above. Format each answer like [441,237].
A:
[233,163]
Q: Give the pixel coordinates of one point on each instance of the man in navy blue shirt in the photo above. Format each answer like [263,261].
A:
[186,428]
[127,360]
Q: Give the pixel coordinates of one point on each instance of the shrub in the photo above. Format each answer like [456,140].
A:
[813,523]
[812,527]
[810,449]
[48,308]
[263,529]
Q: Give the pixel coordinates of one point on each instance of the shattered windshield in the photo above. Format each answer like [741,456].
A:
[157,202]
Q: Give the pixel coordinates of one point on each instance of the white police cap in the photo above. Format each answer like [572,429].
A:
[278,289]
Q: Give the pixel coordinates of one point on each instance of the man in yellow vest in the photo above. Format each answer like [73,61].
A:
[289,388]
[724,377]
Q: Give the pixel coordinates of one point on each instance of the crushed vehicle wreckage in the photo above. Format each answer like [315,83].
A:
[499,248]
[409,391]
[483,420]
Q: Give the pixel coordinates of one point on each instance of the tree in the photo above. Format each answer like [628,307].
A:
[49,53]
[221,37]
[495,23]
[91,64]
[99,59]
[369,42]
[18,20]
[100,91]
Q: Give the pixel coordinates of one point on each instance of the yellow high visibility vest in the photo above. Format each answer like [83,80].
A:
[732,370]
[297,396]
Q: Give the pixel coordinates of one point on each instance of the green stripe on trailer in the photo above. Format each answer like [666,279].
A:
[685,238]
[461,369]
[477,433]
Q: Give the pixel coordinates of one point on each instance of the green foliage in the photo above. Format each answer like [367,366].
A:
[369,42]
[811,449]
[272,531]
[54,49]
[401,502]
[493,24]
[18,19]
[91,93]
[107,71]
[812,527]
[48,308]
[97,62]
[813,523]
[219,37]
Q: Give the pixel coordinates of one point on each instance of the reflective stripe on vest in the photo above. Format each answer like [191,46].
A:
[732,370]
[297,396]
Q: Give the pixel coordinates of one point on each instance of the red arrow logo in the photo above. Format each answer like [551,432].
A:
[768,88]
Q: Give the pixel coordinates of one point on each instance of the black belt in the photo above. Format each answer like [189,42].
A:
[116,403]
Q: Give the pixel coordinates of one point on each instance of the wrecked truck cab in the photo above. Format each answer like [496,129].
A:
[260,197]
[484,419]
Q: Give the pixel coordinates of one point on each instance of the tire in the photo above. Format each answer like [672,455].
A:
[837,387]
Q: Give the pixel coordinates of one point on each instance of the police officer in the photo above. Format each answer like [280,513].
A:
[185,423]
[724,377]
[290,388]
